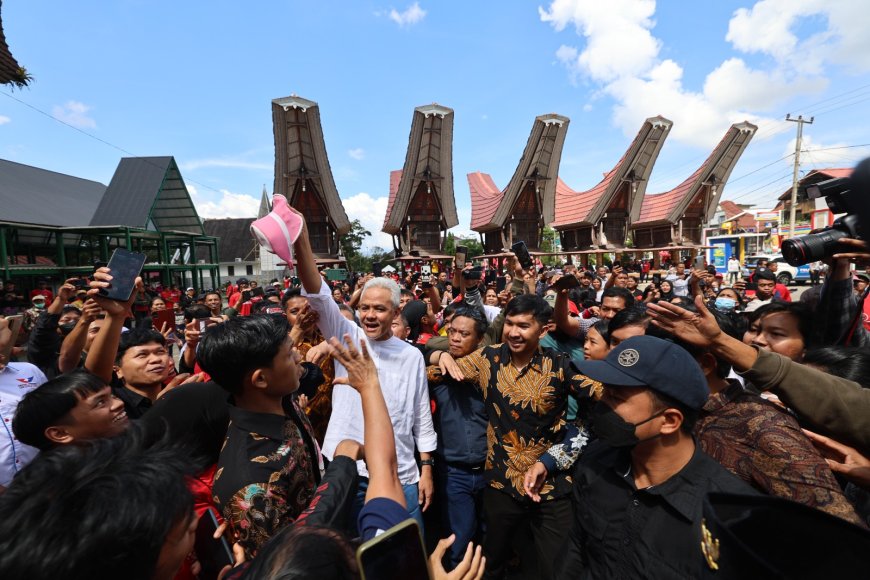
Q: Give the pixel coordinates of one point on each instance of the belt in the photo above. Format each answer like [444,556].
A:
[467,466]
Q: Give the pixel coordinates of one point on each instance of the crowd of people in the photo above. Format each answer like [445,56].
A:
[541,422]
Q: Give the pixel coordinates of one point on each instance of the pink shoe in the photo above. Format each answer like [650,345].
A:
[279,229]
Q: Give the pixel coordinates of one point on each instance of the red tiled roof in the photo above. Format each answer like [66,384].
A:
[658,206]
[574,206]
[395,178]
[730,208]
[831,173]
[584,207]
[485,198]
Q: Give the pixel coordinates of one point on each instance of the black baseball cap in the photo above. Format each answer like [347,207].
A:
[647,361]
[241,281]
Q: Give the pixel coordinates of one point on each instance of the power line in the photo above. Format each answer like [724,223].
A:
[103,141]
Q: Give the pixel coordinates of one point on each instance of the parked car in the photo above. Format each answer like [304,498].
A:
[786,274]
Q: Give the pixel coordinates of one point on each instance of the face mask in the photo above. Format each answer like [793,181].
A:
[725,303]
[39,305]
[613,429]
[66,328]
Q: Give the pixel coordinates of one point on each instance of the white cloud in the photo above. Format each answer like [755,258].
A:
[617,32]
[74,113]
[230,162]
[370,212]
[412,15]
[768,27]
[622,59]
[4,119]
[228,205]
[359,153]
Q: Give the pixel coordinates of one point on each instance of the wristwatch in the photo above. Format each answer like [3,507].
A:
[429,462]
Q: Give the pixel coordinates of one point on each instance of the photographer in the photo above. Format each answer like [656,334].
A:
[839,309]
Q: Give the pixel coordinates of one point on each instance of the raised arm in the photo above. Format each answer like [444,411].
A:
[101,356]
[74,343]
[306,267]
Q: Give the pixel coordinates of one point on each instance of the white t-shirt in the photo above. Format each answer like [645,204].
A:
[733,265]
[16,380]
[402,374]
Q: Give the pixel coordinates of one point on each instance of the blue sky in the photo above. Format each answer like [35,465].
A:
[195,80]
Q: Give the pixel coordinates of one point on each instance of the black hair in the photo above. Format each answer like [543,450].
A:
[50,402]
[765,275]
[450,309]
[480,322]
[406,292]
[305,552]
[215,292]
[230,351]
[529,304]
[137,337]
[616,292]
[807,326]
[662,402]
[98,510]
[848,362]
[628,317]
[70,308]
[289,295]
[602,327]
[155,299]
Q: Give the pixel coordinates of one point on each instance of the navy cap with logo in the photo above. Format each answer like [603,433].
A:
[660,365]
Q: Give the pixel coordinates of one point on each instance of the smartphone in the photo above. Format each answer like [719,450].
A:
[491,276]
[615,264]
[500,284]
[162,317]
[425,273]
[258,291]
[14,323]
[124,267]
[81,283]
[657,279]
[397,554]
[213,554]
[475,273]
[566,283]
[246,296]
[461,256]
[377,269]
[522,253]
[700,263]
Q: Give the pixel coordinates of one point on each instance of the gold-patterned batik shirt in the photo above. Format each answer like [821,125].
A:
[526,409]
[267,472]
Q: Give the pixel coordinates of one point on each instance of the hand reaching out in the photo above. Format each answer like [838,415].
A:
[361,370]
[470,568]
[699,329]
[842,459]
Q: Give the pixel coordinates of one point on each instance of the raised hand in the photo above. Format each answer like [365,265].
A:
[699,329]
[361,370]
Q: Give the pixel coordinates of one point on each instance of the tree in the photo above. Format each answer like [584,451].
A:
[548,237]
[351,246]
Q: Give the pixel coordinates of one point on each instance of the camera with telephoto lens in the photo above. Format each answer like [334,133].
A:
[842,197]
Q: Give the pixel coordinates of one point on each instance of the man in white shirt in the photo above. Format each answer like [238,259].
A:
[680,281]
[16,380]
[401,371]
[733,269]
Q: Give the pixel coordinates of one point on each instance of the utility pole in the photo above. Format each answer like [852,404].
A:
[797,162]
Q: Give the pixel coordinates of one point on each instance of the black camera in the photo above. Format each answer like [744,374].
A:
[842,197]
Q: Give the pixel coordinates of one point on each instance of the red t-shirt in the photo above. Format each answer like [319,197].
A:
[171,297]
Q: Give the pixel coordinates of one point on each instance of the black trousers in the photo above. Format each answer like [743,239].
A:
[550,522]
